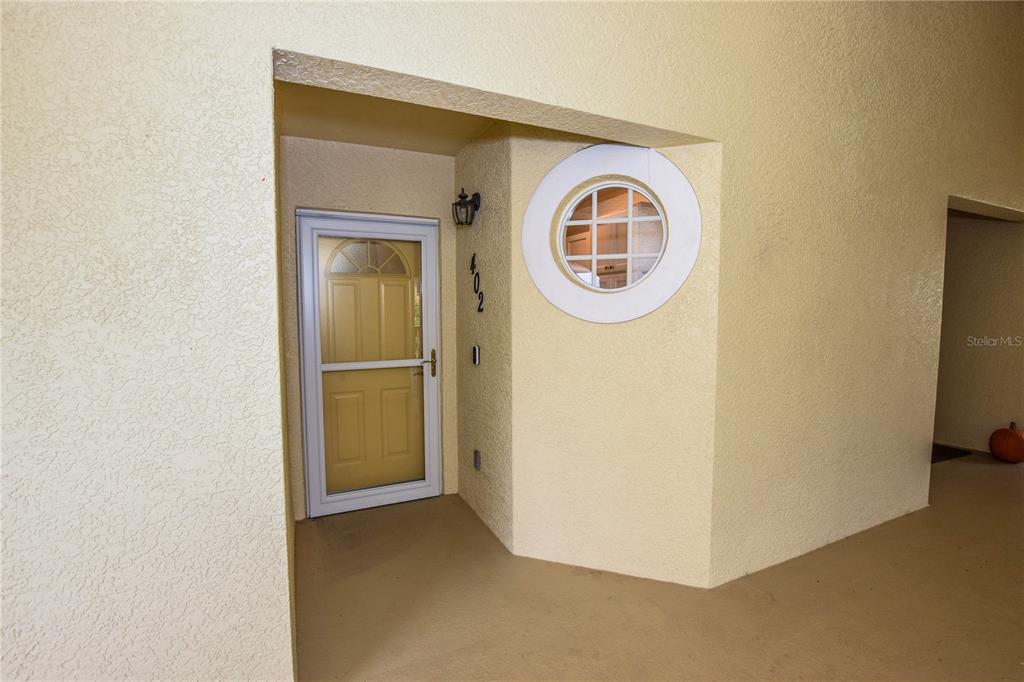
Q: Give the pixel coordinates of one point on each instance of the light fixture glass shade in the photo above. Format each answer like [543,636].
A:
[465,208]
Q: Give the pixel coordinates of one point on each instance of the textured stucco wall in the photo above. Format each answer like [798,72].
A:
[839,161]
[350,177]
[144,524]
[485,391]
[143,475]
[981,362]
[596,451]
[614,423]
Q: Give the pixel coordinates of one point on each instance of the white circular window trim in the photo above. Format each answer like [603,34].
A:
[682,232]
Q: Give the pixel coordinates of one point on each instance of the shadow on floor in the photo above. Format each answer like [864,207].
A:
[940,453]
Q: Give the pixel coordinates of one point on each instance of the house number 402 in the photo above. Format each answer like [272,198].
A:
[476,284]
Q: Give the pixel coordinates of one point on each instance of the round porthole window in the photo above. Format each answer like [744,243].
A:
[611,236]
[611,233]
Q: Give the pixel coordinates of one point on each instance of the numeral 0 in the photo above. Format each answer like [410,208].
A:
[476,284]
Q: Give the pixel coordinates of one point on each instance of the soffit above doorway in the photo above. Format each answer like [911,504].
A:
[973,207]
[324,114]
[294,67]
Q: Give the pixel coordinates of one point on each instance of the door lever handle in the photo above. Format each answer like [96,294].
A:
[432,362]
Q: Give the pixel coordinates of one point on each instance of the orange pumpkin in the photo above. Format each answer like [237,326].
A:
[1007,444]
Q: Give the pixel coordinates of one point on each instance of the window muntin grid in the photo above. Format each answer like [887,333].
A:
[610,245]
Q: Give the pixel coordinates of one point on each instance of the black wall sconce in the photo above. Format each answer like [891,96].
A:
[464,210]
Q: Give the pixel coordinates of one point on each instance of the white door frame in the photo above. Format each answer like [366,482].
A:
[312,224]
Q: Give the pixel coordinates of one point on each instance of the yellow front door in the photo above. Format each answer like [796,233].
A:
[370,312]
[373,428]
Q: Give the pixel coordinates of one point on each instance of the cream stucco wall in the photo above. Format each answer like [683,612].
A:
[596,450]
[351,177]
[981,363]
[143,478]
[485,391]
[614,423]
[144,524]
[838,166]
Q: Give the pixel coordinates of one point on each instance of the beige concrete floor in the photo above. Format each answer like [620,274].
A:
[423,590]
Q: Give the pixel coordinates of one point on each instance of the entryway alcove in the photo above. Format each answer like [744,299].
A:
[980,385]
[577,442]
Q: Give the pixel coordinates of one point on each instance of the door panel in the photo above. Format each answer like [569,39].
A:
[373,427]
[397,333]
[344,417]
[342,335]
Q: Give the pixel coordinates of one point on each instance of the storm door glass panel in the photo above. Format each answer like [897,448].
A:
[370,313]
[373,427]
[369,300]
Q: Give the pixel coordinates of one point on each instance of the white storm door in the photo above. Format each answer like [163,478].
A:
[369,313]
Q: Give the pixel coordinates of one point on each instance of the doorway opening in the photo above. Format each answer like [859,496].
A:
[359,144]
[369,310]
[375,166]
[981,356]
